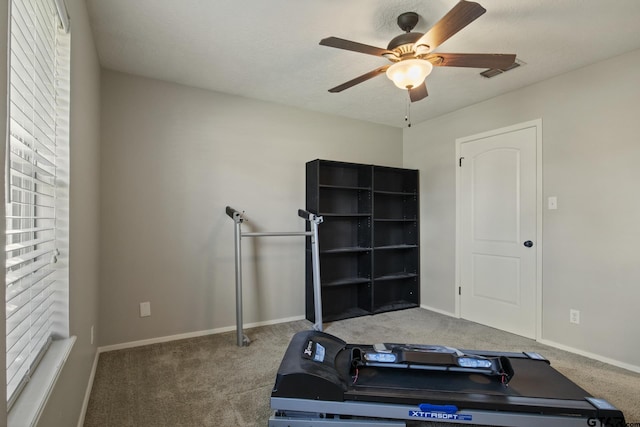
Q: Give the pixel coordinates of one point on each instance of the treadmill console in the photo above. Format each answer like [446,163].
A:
[431,357]
[309,368]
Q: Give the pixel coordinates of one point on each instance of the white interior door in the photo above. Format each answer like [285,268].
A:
[498,221]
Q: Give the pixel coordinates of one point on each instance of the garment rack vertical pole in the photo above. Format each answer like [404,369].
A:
[314,221]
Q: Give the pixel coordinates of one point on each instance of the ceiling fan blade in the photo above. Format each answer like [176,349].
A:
[357,80]
[474,60]
[418,93]
[355,46]
[462,14]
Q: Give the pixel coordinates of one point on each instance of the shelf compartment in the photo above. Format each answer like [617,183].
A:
[395,180]
[392,206]
[392,234]
[344,174]
[345,267]
[346,301]
[345,234]
[395,264]
[395,294]
[345,200]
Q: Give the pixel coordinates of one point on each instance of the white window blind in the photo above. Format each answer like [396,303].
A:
[38,117]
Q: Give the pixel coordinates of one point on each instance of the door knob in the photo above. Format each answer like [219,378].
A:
[528,243]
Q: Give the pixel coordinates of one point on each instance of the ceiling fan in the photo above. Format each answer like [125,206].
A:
[412,53]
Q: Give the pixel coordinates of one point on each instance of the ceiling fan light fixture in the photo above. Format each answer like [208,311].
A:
[409,73]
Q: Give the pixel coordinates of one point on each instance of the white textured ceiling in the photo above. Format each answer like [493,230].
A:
[268,49]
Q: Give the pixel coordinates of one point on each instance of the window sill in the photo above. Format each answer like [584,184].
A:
[27,409]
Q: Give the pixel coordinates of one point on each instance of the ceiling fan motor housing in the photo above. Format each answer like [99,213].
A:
[403,44]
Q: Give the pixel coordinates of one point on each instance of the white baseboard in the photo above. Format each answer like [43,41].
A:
[590,355]
[437,310]
[87,393]
[168,338]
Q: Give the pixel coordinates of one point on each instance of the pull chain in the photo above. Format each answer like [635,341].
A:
[407,115]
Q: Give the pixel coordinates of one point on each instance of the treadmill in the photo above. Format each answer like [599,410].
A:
[323,381]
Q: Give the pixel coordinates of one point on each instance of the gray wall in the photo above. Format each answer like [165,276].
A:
[590,162]
[65,403]
[172,158]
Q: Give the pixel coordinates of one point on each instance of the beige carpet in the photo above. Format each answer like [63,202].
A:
[209,381]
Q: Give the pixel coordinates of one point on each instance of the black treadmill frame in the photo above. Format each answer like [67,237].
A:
[312,393]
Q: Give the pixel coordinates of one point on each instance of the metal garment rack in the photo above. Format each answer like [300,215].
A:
[314,221]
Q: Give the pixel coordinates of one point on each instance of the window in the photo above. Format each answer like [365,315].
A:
[36,176]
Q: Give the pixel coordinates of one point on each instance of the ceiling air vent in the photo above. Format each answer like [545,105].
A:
[492,72]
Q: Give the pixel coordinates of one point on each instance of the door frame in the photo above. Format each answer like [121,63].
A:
[537,124]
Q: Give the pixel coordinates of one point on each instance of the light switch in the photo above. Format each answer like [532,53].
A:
[553,203]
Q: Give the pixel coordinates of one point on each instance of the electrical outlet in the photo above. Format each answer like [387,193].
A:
[92,334]
[145,309]
[574,316]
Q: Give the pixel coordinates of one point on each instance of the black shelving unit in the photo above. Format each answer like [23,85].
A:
[369,240]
